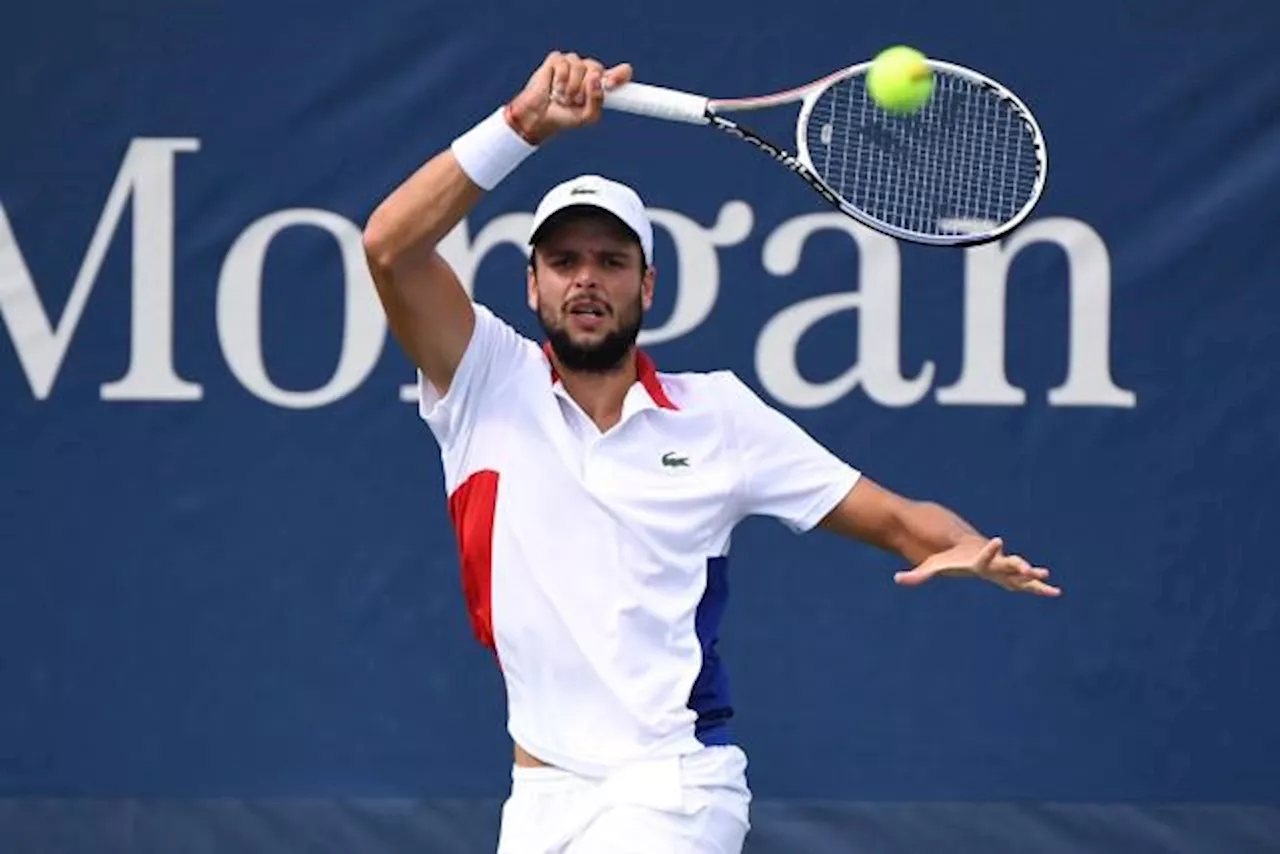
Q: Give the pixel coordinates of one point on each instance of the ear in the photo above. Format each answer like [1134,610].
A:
[531,286]
[646,287]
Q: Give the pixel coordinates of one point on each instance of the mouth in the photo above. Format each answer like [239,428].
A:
[587,309]
[587,315]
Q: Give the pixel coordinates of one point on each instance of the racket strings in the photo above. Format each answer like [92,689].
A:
[966,161]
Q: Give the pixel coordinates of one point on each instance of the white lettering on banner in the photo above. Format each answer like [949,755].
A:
[878,303]
[982,378]
[464,255]
[697,277]
[240,310]
[147,177]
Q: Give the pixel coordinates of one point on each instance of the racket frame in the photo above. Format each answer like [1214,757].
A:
[673,105]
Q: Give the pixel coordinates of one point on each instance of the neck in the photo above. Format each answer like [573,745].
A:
[600,395]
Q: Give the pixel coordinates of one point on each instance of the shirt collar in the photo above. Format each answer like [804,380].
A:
[646,374]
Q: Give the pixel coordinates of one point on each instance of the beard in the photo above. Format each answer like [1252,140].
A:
[602,357]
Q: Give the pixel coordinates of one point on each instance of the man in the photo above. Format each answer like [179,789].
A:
[593,497]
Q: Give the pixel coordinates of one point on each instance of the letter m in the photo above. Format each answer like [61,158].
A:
[147,177]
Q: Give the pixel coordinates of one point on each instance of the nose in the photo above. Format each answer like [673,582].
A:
[584,276]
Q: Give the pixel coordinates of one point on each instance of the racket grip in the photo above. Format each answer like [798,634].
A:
[658,103]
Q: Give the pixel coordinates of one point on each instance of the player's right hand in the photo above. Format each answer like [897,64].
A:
[567,91]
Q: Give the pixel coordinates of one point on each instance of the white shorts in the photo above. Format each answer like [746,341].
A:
[696,804]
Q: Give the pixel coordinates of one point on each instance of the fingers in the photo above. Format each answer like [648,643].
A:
[1015,563]
[594,85]
[911,577]
[1039,588]
[1016,567]
[1013,572]
[573,94]
[566,91]
[540,82]
[1020,584]
[570,77]
[617,75]
[982,561]
[560,69]
[577,85]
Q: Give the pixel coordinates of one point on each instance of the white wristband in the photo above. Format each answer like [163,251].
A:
[490,151]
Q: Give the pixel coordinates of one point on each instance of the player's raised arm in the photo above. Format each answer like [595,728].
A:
[428,311]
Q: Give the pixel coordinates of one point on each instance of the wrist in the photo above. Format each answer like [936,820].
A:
[522,123]
[491,150]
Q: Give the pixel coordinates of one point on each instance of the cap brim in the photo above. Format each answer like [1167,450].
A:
[556,218]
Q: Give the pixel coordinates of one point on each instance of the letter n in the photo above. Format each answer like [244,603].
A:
[982,379]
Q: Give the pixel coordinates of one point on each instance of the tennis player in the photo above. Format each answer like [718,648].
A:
[594,497]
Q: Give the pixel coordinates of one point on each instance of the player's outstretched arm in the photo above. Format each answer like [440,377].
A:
[428,312]
[932,538]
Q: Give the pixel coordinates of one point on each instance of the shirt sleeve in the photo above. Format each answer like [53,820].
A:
[495,354]
[786,473]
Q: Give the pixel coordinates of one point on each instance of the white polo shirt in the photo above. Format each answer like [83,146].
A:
[595,565]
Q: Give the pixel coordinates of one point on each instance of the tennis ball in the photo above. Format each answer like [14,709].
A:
[900,80]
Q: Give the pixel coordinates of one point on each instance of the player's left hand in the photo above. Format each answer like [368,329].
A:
[983,559]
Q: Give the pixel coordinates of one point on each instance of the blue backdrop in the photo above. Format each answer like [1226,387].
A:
[227,576]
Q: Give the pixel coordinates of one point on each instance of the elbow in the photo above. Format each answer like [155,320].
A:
[389,245]
[378,241]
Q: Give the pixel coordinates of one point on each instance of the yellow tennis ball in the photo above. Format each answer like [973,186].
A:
[900,80]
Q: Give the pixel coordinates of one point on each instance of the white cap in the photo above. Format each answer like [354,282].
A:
[595,191]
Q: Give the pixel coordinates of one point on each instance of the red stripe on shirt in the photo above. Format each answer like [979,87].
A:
[471,507]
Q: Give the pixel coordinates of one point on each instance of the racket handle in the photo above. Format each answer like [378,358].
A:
[657,103]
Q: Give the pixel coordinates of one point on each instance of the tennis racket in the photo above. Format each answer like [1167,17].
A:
[966,168]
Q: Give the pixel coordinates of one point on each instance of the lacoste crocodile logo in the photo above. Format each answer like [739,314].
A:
[670,460]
